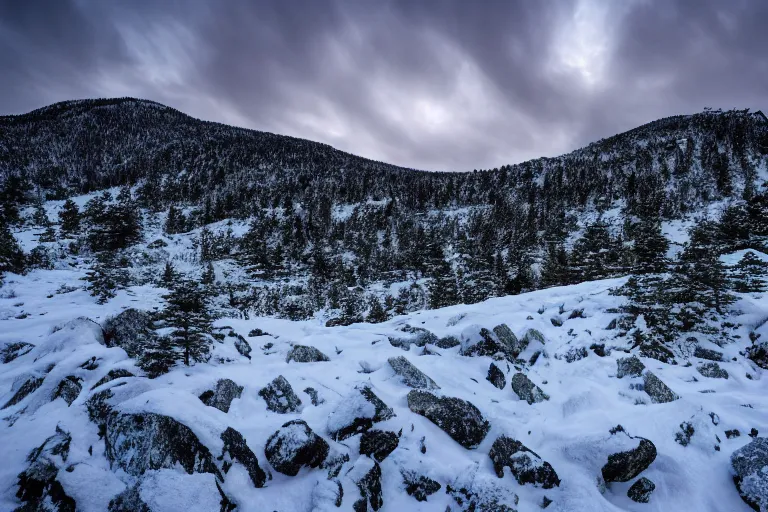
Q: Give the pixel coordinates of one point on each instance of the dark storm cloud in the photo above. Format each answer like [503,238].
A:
[448,85]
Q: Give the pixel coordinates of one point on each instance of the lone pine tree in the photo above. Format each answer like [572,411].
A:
[187,315]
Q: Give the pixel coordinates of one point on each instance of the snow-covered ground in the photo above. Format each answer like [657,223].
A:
[570,430]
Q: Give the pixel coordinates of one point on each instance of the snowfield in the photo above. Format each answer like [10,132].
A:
[570,430]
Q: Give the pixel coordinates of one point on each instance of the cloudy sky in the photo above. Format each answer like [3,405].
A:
[432,84]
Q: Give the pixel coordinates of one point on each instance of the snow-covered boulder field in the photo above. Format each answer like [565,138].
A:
[489,407]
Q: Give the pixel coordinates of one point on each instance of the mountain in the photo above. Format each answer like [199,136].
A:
[197,317]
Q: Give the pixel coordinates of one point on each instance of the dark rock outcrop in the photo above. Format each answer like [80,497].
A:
[221,398]
[488,343]
[475,491]
[357,413]
[243,347]
[712,370]
[629,366]
[573,354]
[750,467]
[280,397]
[705,353]
[526,466]
[508,338]
[532,335]
[410,375]
[417,336]
[30,386]
[655,350]
[456,417]
[527,390]
[295,445]
[378,444]
[117,373]
[448,342]
[496,376]
[129,501]
[366,474]
[39,487]
[14,350]
[641,490]
[236,450]
[314,397]
[625,465]
[131,330]
[758,353]
[69,389]
[305,354]
[140,442]
[657,390]
[419,486]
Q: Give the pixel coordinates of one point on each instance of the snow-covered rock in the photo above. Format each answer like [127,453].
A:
[524,464]
[641,490]
[527,390]
[280,397]
[410,375]
[221,398]
[356,413]
[750,465]
[293,446]
[458,418]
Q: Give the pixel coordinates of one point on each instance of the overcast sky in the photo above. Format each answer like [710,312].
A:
[431,84]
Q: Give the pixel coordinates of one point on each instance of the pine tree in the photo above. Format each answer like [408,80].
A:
[554,272]
[169,275]
[105,277]
[209,275]
[595,255]
[376,312]
[187,314]
[69,218]
[443,289]
[11,256]
[650,248]
[749,274]
[40,217]
[158,357]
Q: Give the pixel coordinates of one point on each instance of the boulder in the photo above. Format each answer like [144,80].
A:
[527,390]
[419,486]
[641,490]
[758,353]
[305,354]
[236,450]
[448,342]
[750,467]
[243,347]
[475,491]
[378,444]
[29,386]
[39,487]
[280,397]
[410,375]
[226,391]
[69,389]
[314,397]
[417,336]
[655,350]
[623,466]
[487,343]
[14,350]
[327,495]
[573,354]
[131,330]
[140,442]
[629,366]
[456,417]
[357,413]
[496,376]
[366,474]
[532,335]
[295,445]
[508,338]
[657,390]
[526,466]
[117,373]
[705,353]
[129,501]
[712,370]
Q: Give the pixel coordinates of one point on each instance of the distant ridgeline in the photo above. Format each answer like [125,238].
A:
[328,228]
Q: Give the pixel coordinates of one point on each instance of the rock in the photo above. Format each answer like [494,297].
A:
[14,350]
[573,354]
[625,465]
[527,390]
[314,397]
[357,413]
[683,437]
[140,442]
[458,418]
[475,491]
[378,444]
[487,343]
[732,434]
[226,391]
[758,353]
[508,338]
[39,487]
[410,375]
[257,332]
[295,445]
[129,501]
[117,373]
[753,433]
[419,486]
[27,388]
[496,376]
[705,353]
[243,347]
[334,462]
[131,330]
[526,466]
[556,321]
[657,390]
[236,449]
[641,490]
[366,474]
[629,366]
[656,350]
[90,364]
[448,342]
[750,465]
[280,397]
[418,336]
[599,349]
[305,354]
[712,370]
[532,335]
[327,495]
[69,389]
